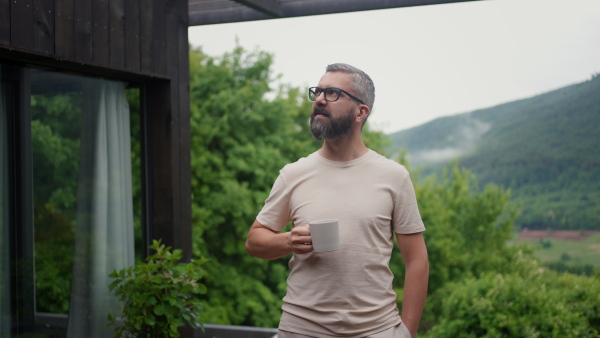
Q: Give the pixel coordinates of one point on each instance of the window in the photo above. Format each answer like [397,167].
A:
[74,136]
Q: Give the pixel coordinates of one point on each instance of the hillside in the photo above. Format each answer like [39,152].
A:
[544,148]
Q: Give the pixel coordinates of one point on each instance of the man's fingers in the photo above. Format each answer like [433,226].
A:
[302,248]
[300,240]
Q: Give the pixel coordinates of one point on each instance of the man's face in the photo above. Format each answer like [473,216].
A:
[332,120]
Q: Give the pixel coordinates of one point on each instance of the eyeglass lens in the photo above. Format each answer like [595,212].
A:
[331,94]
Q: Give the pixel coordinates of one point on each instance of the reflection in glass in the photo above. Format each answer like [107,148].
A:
[104,225]
[82,187]
[56,103]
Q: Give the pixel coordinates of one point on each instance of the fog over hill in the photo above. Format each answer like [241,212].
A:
[543,148]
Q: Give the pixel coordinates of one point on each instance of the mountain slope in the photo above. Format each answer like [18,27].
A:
[544,148]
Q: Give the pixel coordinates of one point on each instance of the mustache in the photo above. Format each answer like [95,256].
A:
[320,110]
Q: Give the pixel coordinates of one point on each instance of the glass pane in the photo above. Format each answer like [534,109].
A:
[82,194]
[133,98]
[56,105]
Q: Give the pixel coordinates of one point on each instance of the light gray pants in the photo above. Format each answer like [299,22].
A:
[398,331]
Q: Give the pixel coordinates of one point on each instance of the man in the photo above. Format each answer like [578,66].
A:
[348,292]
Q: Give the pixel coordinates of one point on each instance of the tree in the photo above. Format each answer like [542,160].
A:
[467,232]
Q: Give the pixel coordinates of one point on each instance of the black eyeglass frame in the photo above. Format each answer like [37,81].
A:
[311,90]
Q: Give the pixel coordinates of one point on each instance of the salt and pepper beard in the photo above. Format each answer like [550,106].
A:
[336,128]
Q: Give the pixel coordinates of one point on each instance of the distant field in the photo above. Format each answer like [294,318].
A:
[581,247]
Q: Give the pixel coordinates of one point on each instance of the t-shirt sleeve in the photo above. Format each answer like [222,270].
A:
[406,216]
[275,214]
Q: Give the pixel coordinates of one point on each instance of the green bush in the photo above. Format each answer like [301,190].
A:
[530,301]
[159,296]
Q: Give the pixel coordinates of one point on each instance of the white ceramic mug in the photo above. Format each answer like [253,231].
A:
[325,235]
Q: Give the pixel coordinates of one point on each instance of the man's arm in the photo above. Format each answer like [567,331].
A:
[414,254]
[265,243]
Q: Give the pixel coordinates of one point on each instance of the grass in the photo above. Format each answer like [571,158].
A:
[581,252]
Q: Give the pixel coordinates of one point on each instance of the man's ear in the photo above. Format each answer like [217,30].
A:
[363,113]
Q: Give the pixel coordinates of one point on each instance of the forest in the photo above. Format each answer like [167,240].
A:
[544,149]
[244,131]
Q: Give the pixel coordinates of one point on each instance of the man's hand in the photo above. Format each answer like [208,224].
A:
[300,241]
[266,243]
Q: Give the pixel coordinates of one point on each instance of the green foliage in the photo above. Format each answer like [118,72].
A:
[467,227]
[528,301]
[133,99]
[55,129]
[480,284]
[159,296]
[243,132]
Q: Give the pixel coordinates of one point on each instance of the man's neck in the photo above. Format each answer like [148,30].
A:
[343,149]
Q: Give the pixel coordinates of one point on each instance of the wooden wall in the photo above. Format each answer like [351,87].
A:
[125,35]
[139,41]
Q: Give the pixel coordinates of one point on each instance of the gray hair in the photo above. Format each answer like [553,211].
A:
[362,86]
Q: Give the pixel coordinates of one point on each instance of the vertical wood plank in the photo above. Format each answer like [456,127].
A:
[160,159]
[183,103]
[161,11]
[172,41]
[117,33]
[5,22]
[146,36]
[43,30]
[100,33]
[132,35]
[169,66]
[82,23]
[21,21]
[64,29]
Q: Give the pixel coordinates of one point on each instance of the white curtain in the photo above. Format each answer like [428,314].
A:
[104,229]
[4,232]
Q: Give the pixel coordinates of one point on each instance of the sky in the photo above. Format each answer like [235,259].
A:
[431,61]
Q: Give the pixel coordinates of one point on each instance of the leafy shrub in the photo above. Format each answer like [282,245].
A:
[159,296]
[528,302]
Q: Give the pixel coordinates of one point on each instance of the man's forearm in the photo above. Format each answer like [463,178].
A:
[415,293]
[265,245]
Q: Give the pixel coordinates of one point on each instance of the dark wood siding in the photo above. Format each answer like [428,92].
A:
[21,24]
[128,36]
[132,35]
[117,33]
[64,29]
[4,22]
[43,27]
[139,41]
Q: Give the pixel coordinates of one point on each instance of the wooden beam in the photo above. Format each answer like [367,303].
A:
[268,7]
[302,8]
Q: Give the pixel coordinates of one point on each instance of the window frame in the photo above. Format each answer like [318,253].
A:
[24,318]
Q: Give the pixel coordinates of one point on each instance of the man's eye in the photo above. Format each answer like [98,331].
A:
[333,92]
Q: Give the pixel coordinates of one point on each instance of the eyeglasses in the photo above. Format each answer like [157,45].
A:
[332,94]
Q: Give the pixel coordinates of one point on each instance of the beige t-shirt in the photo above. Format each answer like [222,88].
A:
[344,293]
